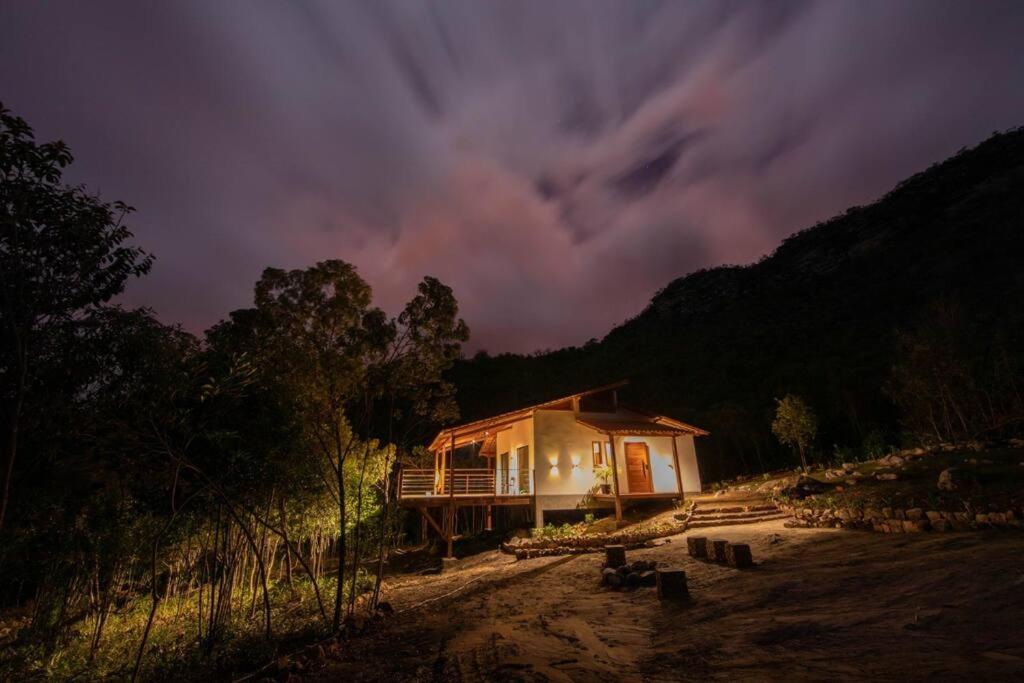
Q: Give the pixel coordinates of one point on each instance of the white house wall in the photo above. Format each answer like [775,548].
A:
[509,440]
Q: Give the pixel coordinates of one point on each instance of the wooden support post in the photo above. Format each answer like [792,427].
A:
[451,531]
[615,479]
[671,583]
[451,470]
[679,472]
[490,520]
[614,556]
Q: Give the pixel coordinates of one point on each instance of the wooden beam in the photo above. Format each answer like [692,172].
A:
[615,480]
[429,518]
[679,472]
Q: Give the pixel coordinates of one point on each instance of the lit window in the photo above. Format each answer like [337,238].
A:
[597,453]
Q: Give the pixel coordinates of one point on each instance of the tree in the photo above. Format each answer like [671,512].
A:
[795,424]
[321,333]
[62,251]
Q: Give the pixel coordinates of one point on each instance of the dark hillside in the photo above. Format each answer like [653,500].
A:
[818,317]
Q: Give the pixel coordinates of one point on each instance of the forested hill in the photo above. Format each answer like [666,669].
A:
[822,317]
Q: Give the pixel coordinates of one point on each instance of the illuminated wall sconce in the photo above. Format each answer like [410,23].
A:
[575,462]
[554,464]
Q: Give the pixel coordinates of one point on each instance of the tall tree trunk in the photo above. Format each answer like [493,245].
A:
[11,437]
[358,530]
[287,545]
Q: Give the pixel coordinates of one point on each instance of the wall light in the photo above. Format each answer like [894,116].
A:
[575,462]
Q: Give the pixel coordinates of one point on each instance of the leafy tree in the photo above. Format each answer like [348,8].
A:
[61,252]
[321,333]
[795,424]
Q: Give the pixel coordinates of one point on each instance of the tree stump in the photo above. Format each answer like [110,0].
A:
[716,549]
[738,555]
[697,545]
[671,583]
[614,556]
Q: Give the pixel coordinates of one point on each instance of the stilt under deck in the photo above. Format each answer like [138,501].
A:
[446,491]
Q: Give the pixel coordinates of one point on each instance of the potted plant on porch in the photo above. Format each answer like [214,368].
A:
[603,473]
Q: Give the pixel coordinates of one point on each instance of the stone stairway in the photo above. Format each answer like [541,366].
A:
[729,514]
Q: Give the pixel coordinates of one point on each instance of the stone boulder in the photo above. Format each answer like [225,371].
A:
[954,479]
[806,486]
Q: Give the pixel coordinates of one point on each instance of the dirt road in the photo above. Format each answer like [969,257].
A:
[821,604]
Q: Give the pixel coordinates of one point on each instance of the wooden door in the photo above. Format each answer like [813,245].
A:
[638,468]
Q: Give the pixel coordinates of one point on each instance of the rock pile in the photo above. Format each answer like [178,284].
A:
[617,573]
[898,520]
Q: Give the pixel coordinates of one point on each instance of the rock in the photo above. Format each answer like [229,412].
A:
[849,467]
[738,555]
[804,487]
[886,476]
[915,514]
[954,479]
[614,579]
[633,580]
[719,494]
[942,525]
[649,579]
[671,583]
[606,573]
[697,546]
[851,482]
[614,555]
[887,513]
[893,461]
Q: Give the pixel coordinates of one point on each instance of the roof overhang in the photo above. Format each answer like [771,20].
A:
[471,432]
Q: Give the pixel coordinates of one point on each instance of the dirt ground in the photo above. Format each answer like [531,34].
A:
[820,604]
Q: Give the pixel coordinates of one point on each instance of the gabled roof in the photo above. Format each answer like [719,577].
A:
[635,422]
[469,430]
[641,425]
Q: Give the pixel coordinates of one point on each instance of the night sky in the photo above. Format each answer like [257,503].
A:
[556,163]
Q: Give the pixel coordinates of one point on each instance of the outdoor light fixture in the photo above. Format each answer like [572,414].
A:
[575,462]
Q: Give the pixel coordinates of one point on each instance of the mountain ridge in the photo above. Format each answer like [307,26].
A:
[819,316]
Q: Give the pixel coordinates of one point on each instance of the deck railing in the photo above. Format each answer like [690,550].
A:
[415,483]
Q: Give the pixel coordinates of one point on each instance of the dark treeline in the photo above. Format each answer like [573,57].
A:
[899,321]
[173,504]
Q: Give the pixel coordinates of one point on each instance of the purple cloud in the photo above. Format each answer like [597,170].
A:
[556,163]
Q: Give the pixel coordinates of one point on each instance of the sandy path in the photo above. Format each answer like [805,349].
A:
[822,604]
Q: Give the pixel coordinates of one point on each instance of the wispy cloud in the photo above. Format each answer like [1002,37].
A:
[556,163]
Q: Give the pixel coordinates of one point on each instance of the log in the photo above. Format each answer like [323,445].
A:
[697,545]
[671,583]
[738,555]
[614,556]
[716,549]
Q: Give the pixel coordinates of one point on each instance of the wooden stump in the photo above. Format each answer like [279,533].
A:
[614,556]
[738,555]
[671,583]
[697,545]
[716,550]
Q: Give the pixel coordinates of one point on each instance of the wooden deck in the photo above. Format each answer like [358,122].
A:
[610,497]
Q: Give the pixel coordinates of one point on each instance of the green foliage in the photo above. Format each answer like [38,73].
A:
[795,424]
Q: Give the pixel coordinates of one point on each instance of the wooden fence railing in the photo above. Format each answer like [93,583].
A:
[415,483]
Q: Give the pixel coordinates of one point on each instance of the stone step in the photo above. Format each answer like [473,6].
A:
[734,521]
[734,515]
[760,507]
